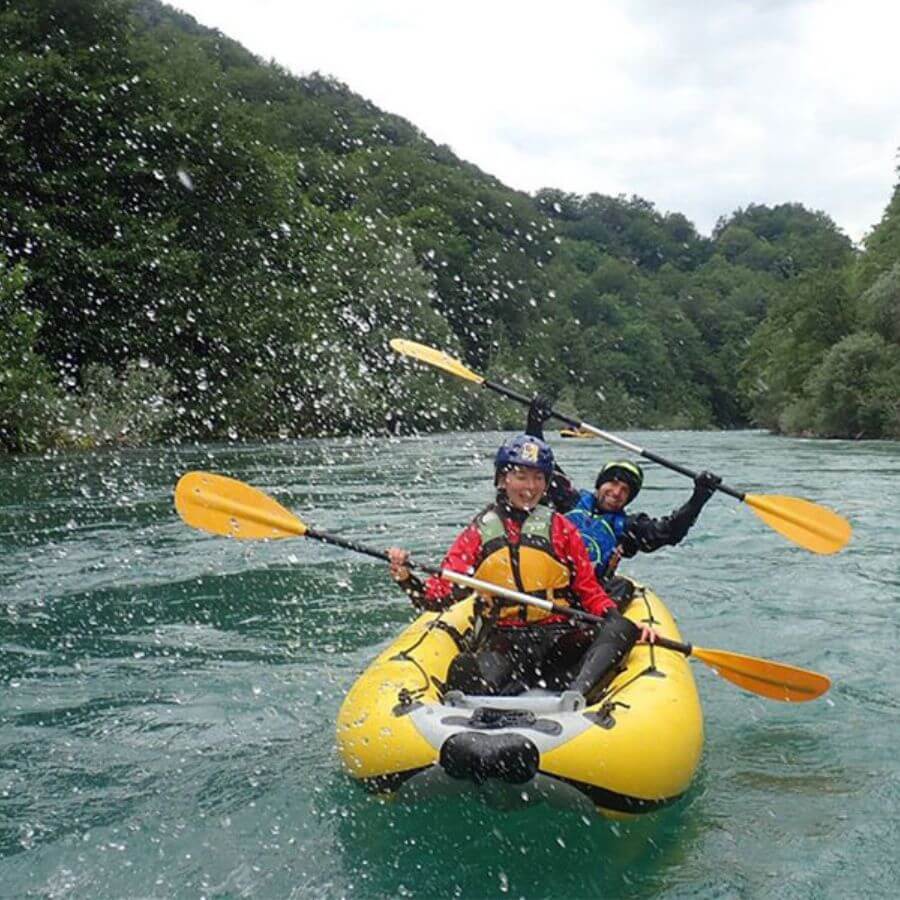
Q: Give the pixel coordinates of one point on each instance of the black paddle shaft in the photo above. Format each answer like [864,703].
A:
[327,538]
[576,423]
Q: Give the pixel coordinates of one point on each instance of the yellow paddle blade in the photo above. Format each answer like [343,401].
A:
[224,506]
[434,358]
[777,681]
[811,526]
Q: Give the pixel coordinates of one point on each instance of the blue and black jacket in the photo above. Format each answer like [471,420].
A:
[632,533]
[602,532]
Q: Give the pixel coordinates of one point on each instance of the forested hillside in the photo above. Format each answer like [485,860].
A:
[197,244]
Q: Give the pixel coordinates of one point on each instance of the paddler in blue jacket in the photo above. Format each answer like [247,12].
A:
[608,531]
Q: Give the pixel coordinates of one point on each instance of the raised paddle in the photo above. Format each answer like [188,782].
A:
[808,524]
[225,506]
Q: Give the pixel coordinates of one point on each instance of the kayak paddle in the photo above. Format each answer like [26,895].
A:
[222,505]
[807,524]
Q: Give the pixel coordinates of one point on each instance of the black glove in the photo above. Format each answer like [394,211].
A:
[705,485]
[538,412]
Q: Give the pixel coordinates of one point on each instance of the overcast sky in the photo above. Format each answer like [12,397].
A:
[699,107]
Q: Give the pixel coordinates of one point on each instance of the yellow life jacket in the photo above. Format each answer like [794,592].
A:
[530,566]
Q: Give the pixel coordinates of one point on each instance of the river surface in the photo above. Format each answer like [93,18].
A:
[169,698]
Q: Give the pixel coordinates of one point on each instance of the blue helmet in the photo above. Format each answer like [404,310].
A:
[526,451]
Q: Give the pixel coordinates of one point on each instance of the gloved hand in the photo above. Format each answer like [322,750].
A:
[705,485]
[538,412]
[398,559]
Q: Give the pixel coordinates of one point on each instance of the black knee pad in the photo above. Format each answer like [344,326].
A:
[623,632]
[615,638]
[486,672]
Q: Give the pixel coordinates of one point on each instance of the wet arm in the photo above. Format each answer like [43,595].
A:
[436,593]
[644,535]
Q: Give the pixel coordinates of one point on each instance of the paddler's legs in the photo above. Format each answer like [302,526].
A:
[616,637]
[525,648]
[485,672]
[565,653]
[508,663]
[514,659]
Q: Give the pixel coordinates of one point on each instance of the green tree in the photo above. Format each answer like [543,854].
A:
[882,244]
[29,398]
[812,315]
[786,240]
[879,306]
[855,392]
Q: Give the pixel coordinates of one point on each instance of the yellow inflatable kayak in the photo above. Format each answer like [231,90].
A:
[576,433]
[633,750]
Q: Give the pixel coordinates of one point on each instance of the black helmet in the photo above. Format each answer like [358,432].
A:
[526,451]
[622,470]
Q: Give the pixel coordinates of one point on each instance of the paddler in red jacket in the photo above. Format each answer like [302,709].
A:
[519,544]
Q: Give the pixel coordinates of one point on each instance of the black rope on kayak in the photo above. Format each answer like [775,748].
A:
[404,655]
[451,630]
[608,696]
[650,620]
[416,693]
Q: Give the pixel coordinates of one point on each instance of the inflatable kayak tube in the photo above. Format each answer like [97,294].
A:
[631,751]
[576,433]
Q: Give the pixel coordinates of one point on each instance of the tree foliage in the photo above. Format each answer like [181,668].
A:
[197,244]
[824,360]
[855,392]
[28,394]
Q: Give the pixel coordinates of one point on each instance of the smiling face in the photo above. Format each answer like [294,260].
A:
[524,487]
[612,495]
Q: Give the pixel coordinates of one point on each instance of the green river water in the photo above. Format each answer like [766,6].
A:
[169,698]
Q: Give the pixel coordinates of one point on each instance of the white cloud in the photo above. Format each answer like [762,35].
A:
[699,108]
